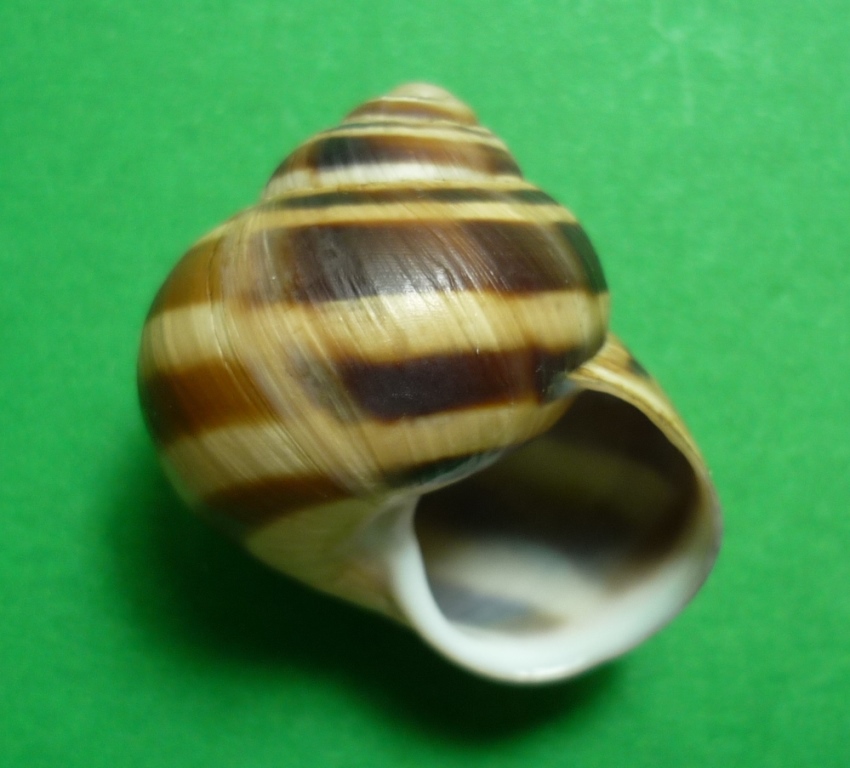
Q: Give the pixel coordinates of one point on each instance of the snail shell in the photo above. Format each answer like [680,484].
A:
[402,311]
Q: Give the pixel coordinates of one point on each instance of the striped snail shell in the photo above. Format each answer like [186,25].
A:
[401,311]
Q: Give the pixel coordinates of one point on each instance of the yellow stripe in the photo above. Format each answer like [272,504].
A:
[449,110]
[488,184]
[409,211]
[378,328]
[380,174]
[354,454]
[411,130]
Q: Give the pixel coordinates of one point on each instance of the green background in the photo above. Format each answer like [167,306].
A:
[706,148]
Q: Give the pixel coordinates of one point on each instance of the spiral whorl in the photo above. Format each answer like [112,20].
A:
[400,307]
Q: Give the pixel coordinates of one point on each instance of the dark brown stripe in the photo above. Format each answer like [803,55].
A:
[427,385]
[196,399]
[245,507]
[583,248]
[347,261]
[188,282]
[342,151]
[423,195]
[389,122]
[442,471]
[416,109]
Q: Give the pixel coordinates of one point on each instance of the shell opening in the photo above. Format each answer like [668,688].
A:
[568,552]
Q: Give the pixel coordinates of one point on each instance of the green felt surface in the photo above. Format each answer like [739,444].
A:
[706,148]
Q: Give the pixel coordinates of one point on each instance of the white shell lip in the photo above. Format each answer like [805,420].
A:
[616,625]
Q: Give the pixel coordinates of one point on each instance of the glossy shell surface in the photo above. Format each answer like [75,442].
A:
[400,299]
[393,379]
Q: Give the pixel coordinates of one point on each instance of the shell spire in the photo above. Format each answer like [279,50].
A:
[417,133]
[415,101]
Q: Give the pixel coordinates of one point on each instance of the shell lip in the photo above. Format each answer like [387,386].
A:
[561,654]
